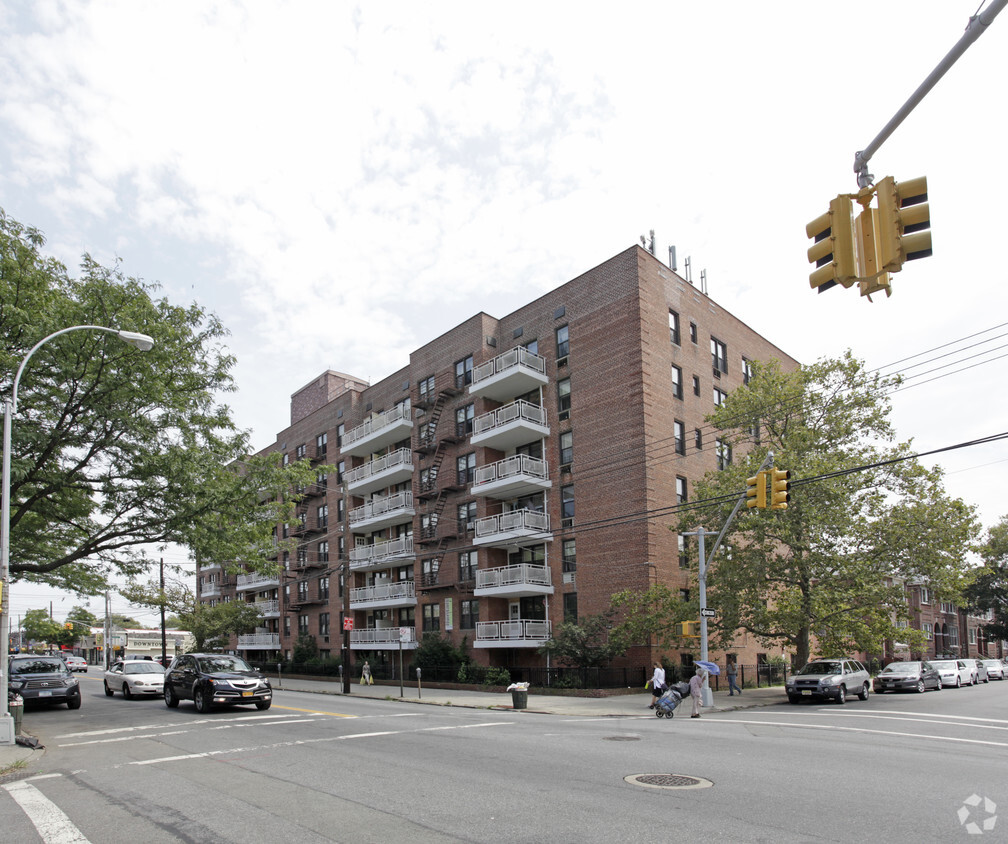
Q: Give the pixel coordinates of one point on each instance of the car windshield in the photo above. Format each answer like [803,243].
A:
[991,663]
[37,666]
[143,668]
[213,664]
[822,667]
[902,668]
[947,664]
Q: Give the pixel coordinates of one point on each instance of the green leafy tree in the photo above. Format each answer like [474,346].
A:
[655,614]
[435,651]
[305,648]
[988,590]
[115,449]
[586,643]
[120,620]
[865,518]
[39,628]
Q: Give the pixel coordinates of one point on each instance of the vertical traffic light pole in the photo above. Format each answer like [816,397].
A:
[974,29]
[707,697]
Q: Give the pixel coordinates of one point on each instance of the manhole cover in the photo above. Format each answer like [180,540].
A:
[668,781]
[621,738]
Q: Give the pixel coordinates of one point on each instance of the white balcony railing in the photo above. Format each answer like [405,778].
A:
[256,581]
[516,630]
[385,593]
[516,411]
[510,374]
[514,525]
[383,510]
[385,428]
[363,556]
[514,467]
[383,637]
[259,641]
[377,470]
[523,574]
[268,607]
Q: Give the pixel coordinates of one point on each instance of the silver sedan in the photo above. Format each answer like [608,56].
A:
[135,678]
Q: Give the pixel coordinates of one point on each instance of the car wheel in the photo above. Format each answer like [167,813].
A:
[958,682]
[200,699]
[841,697]
[108,691]
[74,702]
[170,698]
[126,692]
[264,704]
[864,692]
[920,686]
[940,685]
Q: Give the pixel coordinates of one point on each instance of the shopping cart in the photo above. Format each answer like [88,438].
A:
[666,704]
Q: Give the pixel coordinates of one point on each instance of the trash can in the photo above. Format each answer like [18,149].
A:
[519,698]
[16,709]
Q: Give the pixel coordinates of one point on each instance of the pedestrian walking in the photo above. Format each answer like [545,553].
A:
[657,684]
[365,677]
[732,674]
[696,684]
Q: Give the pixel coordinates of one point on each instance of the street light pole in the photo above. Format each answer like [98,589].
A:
[140,341]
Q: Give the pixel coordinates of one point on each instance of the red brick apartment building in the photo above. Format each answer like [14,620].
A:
[517,472]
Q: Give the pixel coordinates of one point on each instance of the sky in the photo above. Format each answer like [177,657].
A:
[342,183]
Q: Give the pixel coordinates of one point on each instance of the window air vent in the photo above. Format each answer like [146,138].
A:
[562,361]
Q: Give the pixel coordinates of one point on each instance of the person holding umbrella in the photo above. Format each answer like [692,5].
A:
[697,682]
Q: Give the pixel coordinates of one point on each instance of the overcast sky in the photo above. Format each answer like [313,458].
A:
[343,183]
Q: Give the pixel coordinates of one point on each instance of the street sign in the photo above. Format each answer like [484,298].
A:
[348,624]
[706,612]
[405,636]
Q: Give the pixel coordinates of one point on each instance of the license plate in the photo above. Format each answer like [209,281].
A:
[45,694]
[246,694]
[806,691]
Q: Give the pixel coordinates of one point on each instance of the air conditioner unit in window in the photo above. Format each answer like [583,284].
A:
[565,467]
[562,361]
[568,522]
[717,372]
[568,577]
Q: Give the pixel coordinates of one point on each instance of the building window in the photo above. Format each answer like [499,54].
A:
[719,355]
[340,470]
[673,326]
[431,618]
[569,552]
[466,468]
[323,587]
[720,397]
[928,629]
[570,607]
[925,595]
[323,624]
[683,555]
[564,398]
[287,626]
[676,381]
[566,448]
[562,342]
[302,625]
[464,420]
[323,516]
[696,385]
[692,332]
[467,517]
[426,387]
[469,611]
[463,372]
[301,451]
[321,445]
[429,571]
[567,505]
[972,635]
[323,552]
[679,431]
[680,489]
[698,438]
[340,431]
[467,565]
[723,448]
[746,370]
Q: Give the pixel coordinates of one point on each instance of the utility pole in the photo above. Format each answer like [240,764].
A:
[164,638]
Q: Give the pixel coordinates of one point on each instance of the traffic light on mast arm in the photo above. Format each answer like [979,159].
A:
[780,485]
[833,250]
[904,222]
[756,491]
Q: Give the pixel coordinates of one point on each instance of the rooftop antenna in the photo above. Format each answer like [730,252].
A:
[650,246]
[689,270]
[671,259]
[703,282]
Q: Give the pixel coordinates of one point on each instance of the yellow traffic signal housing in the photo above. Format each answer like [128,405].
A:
[780,485]
[690,629]
[904,222]
[833,250]
[756,491]
[68,626]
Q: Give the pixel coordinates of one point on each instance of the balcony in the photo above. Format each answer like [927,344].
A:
[259,642]
[210,590]
[381,595]
[257,581]
[518,581]
[383,512]
[513,529]
[393,468]
[380,432]
[383,638]
[268,609]
[509,426]
[511,477]
[517,633]
[382,555]
[511,374]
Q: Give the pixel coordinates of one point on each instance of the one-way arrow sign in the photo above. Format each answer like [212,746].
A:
[706,612]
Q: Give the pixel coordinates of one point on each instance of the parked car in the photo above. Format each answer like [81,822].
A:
[211,680]
[981,670]
[43,679]
[955,672]
[76,663]
[829,679]
[995,669]
[908,676]
[134,677]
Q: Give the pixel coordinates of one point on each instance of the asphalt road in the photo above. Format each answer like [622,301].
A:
[333,768]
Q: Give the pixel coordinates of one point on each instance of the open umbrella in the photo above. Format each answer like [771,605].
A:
[709,667]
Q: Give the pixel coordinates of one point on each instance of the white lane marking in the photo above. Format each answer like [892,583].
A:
[807,726]
[160,725]
[51,822]
[116,739]
[958,717]
[302,742]
[933,719]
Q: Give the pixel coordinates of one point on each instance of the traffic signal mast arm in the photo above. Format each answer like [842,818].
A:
[974,29]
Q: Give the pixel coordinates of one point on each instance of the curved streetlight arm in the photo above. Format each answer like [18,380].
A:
[133,338]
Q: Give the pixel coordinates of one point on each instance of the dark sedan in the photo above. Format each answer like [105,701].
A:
[43,679]
[908,676]
[210,680]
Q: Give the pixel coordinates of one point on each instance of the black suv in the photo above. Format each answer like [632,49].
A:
[211,680]
[43,679]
